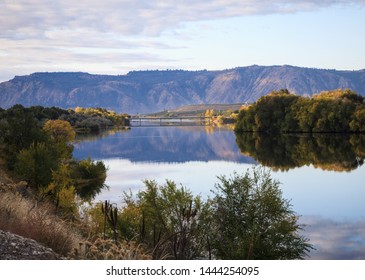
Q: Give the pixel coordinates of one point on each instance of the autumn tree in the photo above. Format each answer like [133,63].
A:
[59,130]
[281,111]
[61,190]
[209,113]
[61,134]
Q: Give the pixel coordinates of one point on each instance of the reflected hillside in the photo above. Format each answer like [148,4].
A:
[283,152]
[163,144]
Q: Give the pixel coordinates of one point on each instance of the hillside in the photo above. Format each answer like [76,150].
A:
[152,91]
[193,110]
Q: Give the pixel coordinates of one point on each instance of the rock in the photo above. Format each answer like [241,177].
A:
[15,247]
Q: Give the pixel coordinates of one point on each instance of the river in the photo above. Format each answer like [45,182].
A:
[322,176]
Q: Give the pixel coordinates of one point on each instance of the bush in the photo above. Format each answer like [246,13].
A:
[247,219]
[251,220]
[169,220]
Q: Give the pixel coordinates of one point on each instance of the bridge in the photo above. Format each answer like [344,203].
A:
[170,121]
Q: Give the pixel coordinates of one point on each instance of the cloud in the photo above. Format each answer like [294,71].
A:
[36,35]
[82,55]
[335,240]
[33,18]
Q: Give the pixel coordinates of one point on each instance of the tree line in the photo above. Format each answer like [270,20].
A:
[338,111]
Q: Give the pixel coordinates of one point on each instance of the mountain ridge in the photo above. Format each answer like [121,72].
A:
[149,91]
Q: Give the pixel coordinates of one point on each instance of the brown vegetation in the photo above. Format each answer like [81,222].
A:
[27,218]
[107,249]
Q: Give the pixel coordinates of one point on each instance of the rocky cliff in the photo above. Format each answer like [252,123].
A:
[151,91]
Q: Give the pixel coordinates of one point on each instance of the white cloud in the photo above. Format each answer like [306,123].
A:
[31,18]
[37,34]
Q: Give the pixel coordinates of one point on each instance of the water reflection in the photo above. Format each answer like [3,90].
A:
[330,202]
[283,152]
[335,240]
[163,144]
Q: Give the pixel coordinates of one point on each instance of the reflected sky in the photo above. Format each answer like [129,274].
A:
[329,202]
[335,240]
[200,177]
[330,194]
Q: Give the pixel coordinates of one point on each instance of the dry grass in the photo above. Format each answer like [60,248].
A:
[107,249]
[23,217]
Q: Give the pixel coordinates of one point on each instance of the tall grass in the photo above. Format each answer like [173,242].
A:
[36,221]
[108,249]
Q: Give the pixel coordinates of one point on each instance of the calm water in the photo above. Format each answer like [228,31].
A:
[322,176]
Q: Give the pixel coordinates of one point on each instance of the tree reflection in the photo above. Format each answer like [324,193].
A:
[334,152]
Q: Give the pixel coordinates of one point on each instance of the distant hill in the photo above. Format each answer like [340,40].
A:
[152,91]
[191,110]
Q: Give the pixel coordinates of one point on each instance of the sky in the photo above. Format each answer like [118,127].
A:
[117,36]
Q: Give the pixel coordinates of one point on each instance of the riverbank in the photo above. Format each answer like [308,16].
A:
[29,229]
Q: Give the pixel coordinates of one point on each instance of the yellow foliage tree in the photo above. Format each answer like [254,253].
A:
[209,113]
[59,130]
[62,190]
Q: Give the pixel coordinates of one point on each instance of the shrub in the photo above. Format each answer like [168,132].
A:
[253,221]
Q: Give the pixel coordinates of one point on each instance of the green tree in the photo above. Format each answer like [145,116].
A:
[253,221]
[357,124]
[172,222]
[19,129]
[303,113]
[281,111]
[245,119]
[47,113]
[35,165]
[271,113]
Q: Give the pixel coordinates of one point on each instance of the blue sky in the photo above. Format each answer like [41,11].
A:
[116,36]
